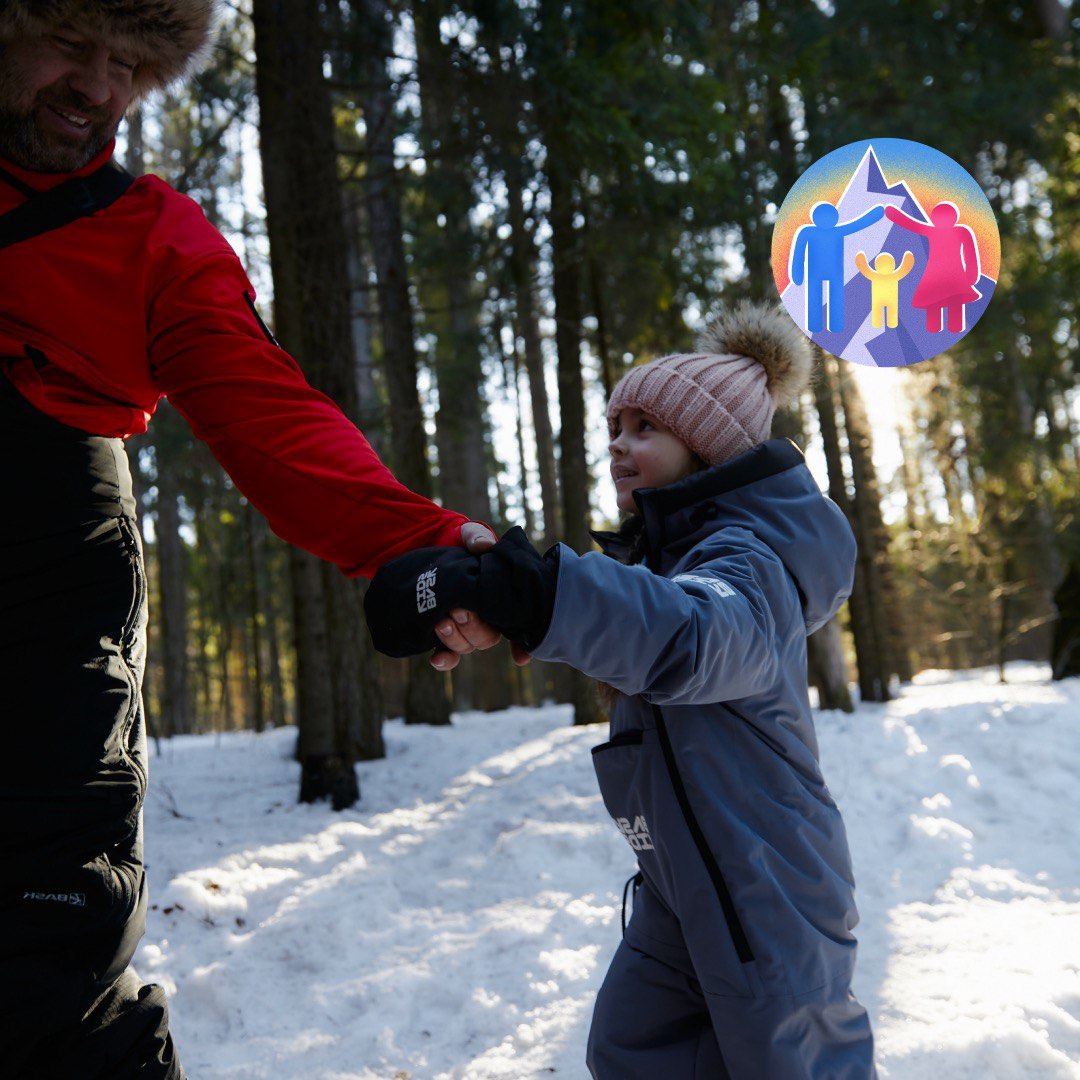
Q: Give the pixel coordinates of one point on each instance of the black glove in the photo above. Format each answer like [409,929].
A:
[413,592]
[517,588]
[510,586]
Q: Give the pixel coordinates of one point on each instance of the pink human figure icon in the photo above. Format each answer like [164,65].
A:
[952,267]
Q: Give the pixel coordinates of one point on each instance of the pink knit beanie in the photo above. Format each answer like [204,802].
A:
[720,400]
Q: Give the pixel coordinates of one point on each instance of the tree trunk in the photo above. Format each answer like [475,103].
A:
[427,700]
[870,611]
[826,666]
[1046,561]
[522,267]
[574,472]
[463,472]
[326,770]
[172,615]
[461,420]
[256,620]
[603,351]
[512,369]
[268,606]
[309,259]
[566,256]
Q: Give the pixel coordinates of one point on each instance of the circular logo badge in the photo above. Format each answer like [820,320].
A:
[885,252]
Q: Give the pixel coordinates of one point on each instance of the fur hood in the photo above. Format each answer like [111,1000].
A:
[164,37]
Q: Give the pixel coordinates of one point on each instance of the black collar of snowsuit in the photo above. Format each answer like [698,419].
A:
[617,545]
[675,514]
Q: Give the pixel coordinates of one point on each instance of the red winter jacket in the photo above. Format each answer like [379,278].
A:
[102,318]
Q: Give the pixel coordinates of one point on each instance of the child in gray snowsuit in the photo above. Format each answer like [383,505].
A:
[738,958]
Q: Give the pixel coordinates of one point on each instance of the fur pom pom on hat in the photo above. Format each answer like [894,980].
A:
[720,400]
[165,38]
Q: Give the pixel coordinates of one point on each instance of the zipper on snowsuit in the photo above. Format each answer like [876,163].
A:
[731,916]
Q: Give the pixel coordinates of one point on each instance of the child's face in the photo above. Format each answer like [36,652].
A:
[645,454]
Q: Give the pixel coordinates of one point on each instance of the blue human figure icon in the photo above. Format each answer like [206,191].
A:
[819,249]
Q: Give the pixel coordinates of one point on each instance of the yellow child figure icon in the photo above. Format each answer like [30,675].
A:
[884,285]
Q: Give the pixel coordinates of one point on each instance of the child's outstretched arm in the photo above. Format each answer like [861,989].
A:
[863,266]
[708,634]
[906,263]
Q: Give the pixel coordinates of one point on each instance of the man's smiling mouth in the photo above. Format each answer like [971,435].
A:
[80,122]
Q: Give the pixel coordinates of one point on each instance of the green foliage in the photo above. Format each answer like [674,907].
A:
[680,125]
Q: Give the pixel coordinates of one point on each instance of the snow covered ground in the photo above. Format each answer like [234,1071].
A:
[457,923]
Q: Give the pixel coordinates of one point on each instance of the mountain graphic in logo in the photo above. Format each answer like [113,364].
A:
[920,286]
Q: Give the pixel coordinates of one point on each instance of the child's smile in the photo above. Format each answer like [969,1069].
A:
[645,454]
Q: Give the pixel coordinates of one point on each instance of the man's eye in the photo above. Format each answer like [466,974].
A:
[66,43]
[125,64]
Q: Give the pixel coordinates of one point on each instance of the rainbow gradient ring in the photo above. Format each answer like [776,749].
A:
[886,252]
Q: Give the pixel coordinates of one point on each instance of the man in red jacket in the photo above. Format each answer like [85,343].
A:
[101,315]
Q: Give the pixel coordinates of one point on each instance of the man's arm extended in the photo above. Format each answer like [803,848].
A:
[290,449]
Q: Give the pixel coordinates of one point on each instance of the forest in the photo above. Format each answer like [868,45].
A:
[465,220]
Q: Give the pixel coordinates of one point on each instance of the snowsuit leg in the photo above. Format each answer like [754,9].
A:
[651,1017]
[73,771]
[821,1035]
[765,1028]
[651,1020]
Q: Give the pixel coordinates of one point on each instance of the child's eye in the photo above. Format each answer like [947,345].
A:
[646,425]
[126,65]
[66,43]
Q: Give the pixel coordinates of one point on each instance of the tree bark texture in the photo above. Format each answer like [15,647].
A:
[427,700]
[309,259]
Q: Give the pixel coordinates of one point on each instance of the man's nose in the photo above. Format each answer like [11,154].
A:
[90,79]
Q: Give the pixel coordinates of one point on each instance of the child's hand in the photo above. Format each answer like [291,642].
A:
[463,632]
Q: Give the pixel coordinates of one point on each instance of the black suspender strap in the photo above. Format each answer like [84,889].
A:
[13,181]
[65,203]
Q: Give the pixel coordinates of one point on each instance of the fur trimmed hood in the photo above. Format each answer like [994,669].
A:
[164,37]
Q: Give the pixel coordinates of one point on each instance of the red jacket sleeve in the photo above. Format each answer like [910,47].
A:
[292,452]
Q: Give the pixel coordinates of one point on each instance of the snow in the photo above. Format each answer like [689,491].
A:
[457,922]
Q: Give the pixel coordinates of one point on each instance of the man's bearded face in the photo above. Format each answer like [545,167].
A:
[62,97]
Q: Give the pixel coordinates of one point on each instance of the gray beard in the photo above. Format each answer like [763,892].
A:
[22,142]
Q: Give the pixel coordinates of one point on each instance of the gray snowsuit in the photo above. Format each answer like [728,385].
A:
[738,958]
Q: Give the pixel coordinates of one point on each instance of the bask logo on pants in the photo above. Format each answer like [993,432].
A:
[76,899]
